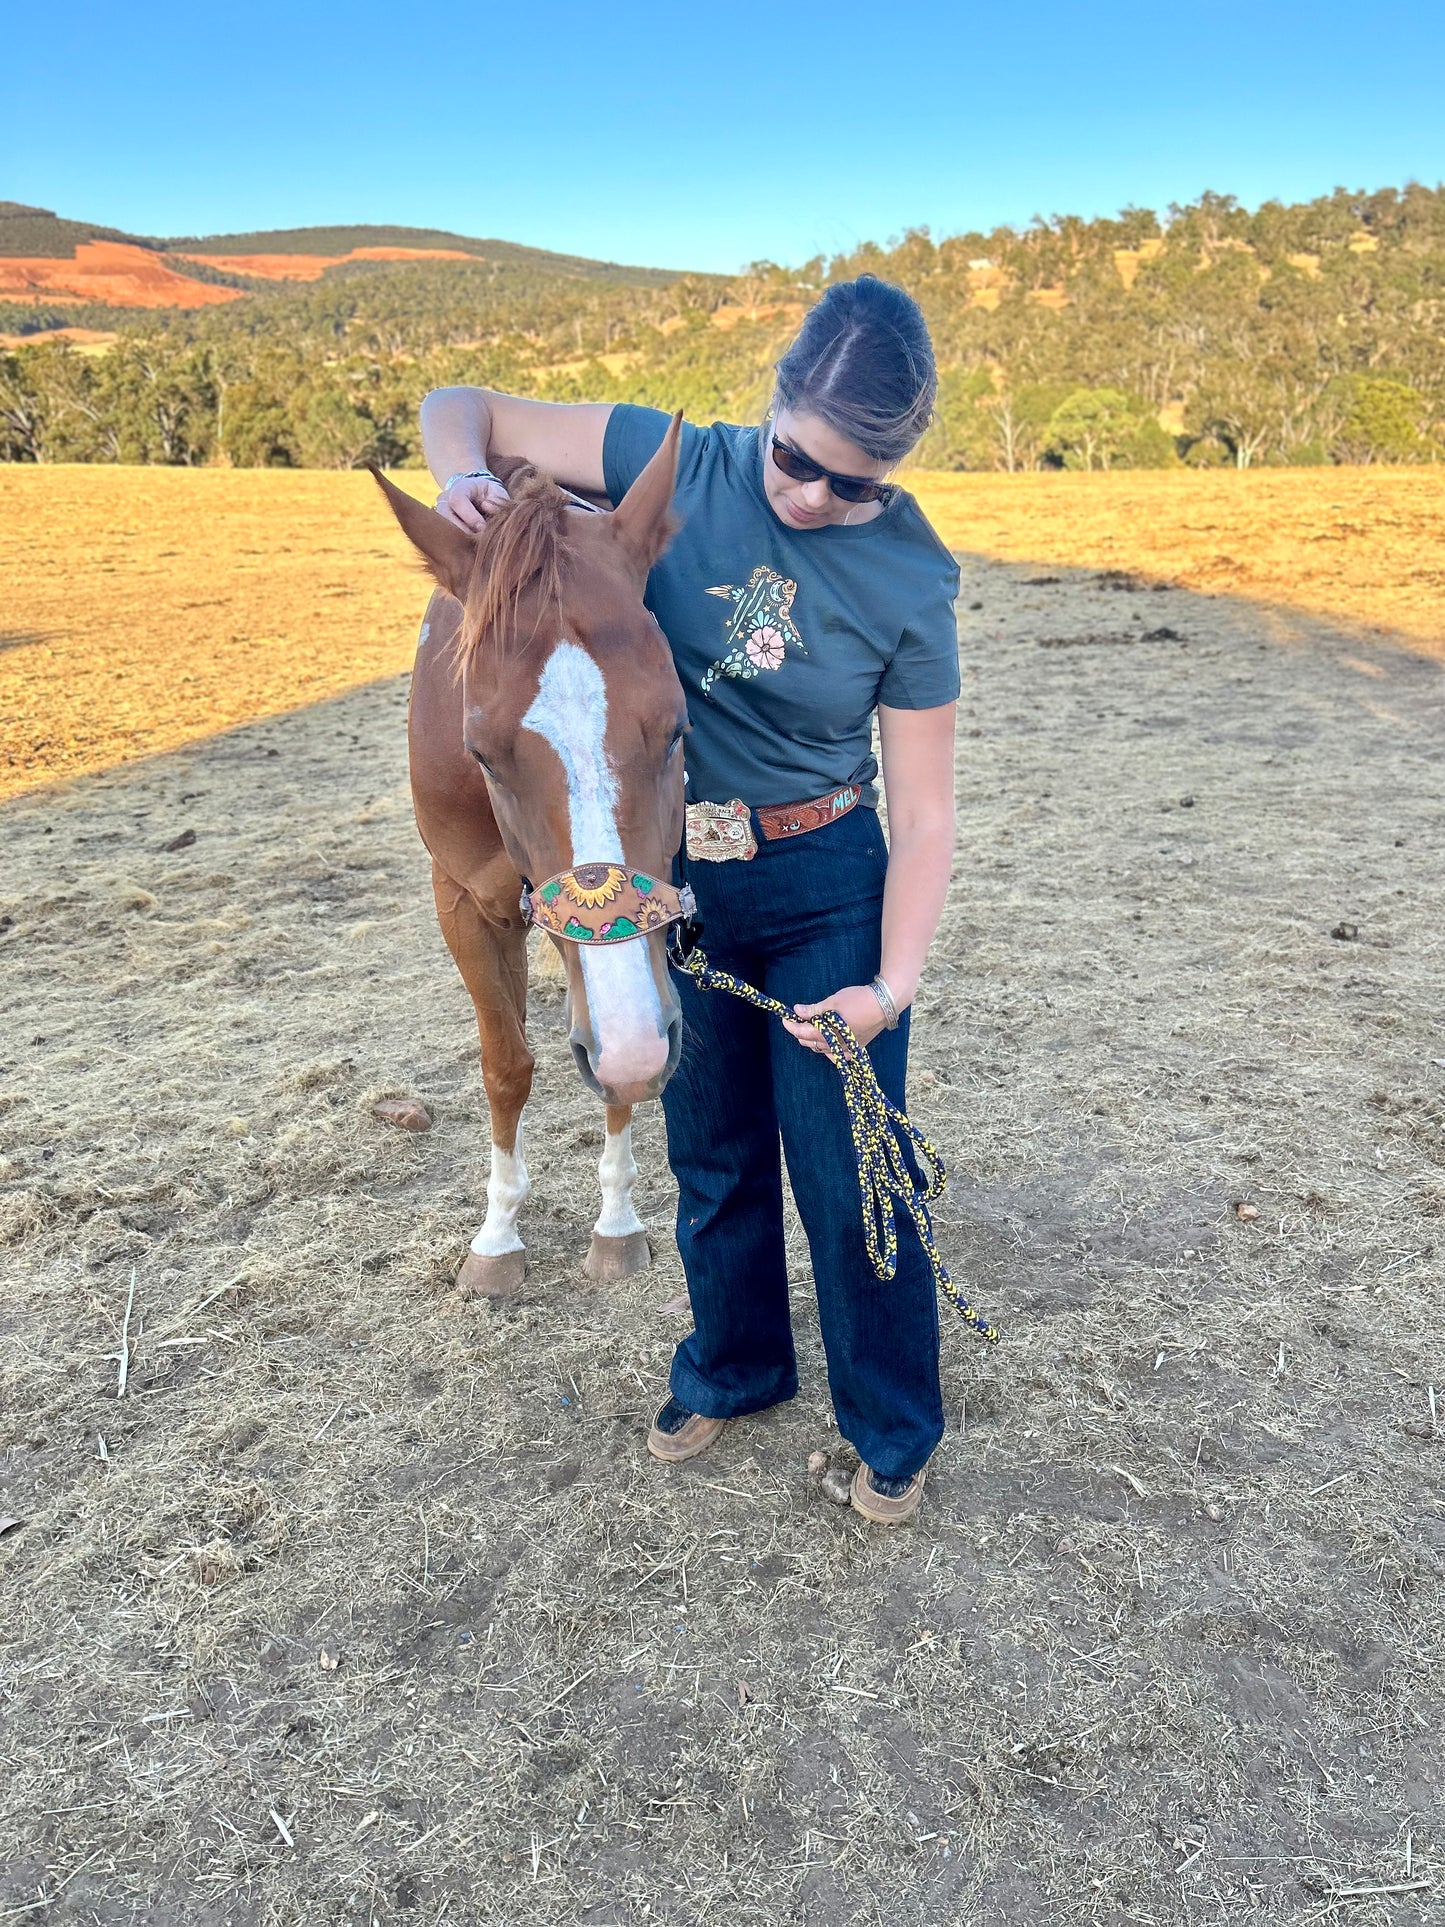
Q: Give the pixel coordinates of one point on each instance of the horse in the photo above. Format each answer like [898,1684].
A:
[545,731]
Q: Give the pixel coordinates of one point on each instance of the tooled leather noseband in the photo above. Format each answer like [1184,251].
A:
[606,903]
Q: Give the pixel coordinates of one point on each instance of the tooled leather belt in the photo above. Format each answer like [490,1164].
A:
[723,832]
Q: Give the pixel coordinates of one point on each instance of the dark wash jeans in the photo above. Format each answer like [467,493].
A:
[800,920]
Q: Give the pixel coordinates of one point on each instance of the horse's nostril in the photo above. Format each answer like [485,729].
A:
[584,1065]
[674,1042]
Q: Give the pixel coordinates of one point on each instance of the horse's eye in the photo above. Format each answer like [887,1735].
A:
[481,761]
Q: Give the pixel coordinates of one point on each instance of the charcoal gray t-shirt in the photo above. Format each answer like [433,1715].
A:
[786,640]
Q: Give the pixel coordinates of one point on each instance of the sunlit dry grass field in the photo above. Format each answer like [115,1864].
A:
[364,1604]
[1362,546]
[145,607]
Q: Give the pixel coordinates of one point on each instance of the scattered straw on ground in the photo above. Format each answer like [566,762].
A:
[364,1606]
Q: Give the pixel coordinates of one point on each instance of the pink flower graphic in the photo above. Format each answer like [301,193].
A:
[765,648]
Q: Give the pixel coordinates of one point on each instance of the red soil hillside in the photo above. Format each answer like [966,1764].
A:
[311,267]
[114,271]
[48,258]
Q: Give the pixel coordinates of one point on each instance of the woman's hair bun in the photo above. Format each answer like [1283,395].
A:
[863,362]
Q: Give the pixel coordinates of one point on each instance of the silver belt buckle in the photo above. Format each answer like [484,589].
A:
[720,832]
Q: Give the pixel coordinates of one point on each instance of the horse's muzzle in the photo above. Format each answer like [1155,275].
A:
[621,1093]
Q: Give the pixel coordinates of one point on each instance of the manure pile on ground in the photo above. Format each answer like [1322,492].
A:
[362,1604]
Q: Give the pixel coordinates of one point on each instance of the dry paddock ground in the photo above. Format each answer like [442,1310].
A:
[363,1605]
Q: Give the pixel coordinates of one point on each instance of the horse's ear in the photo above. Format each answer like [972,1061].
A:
[447,551]
[643,519]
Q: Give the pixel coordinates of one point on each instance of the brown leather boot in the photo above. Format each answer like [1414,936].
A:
[890,1505]
[678,1434]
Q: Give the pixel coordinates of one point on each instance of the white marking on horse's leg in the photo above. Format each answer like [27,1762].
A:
[507,1190]
[617,1173]
[570,711]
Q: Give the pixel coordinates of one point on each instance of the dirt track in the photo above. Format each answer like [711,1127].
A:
[1165,1645]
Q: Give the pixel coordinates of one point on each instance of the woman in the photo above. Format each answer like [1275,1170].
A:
[803,595]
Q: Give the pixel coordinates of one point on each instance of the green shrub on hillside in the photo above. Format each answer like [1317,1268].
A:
[1383,421]
[964,432]
[1102,428]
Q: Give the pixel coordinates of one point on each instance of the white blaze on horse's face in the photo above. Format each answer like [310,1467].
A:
[630,1045]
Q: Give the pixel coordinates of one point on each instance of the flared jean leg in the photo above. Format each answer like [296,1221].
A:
[722,1142]
[881,1337]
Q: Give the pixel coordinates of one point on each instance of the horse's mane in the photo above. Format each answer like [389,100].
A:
[524,543]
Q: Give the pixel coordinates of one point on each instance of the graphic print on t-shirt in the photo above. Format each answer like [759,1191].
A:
[759,629]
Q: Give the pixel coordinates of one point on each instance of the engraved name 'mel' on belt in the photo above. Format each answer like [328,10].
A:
[723,832]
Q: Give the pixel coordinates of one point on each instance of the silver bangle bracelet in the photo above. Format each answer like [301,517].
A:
[885,1003]
[471,475]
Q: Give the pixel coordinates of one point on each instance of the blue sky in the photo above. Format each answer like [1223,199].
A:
[706,135]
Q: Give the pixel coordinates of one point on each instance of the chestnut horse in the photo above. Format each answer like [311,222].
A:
[545,729]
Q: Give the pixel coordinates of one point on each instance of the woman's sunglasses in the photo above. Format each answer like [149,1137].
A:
[799,467]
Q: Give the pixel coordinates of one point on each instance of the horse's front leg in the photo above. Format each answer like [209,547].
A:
[492,959]
[619,1243]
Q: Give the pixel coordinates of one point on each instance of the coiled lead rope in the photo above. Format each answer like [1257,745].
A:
[880,1131]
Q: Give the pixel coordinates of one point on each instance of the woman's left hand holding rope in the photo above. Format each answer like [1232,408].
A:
[856,1004]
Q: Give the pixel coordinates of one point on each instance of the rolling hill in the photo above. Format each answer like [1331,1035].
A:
[1302,334]
[363,243]
[45,257]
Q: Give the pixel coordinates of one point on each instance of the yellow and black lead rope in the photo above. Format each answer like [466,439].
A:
[879,1131]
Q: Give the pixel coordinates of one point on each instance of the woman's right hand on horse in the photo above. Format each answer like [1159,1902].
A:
[466,429]
[470,499]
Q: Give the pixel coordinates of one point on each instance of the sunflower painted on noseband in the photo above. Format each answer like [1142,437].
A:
[604,903]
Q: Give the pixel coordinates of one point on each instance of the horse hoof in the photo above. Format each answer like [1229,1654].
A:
[491,1277]
[612,1258]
